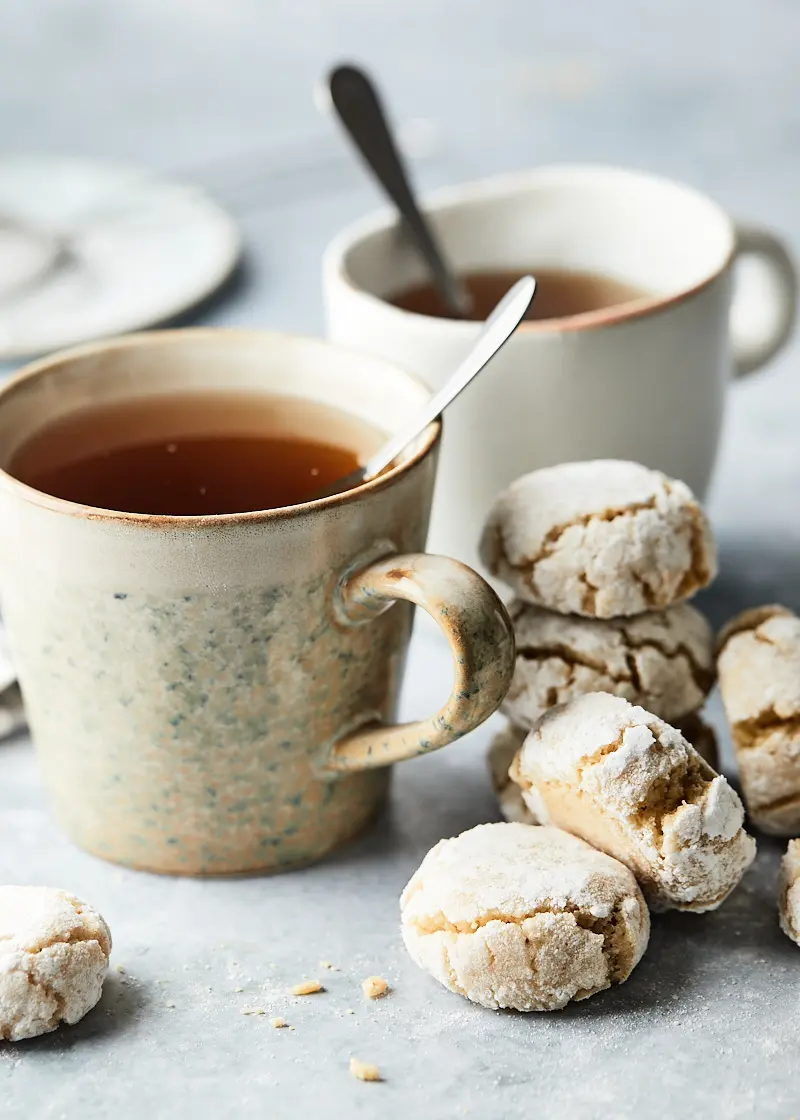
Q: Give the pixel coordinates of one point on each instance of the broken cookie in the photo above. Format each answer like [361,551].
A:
[602,539]
[511,915]
[54,953]
[507,742]
[631,785]
[663,660]
[759,680]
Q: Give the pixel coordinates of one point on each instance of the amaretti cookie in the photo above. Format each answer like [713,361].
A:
[511,915]
[662,660]
[53,959]
[630,784]
[603,539]
[789,892]
[507,742]
[759,680]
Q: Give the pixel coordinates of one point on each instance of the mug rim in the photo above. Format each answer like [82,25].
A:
[495,188]
[43,366]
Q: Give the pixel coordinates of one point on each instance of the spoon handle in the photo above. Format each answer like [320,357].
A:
[497,330]
[358,106]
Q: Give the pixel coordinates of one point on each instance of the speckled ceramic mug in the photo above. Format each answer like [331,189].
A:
[215,694]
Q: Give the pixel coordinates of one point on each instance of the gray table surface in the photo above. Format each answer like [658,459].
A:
[708,1025]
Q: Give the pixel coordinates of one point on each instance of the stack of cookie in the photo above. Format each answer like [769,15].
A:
[602,556]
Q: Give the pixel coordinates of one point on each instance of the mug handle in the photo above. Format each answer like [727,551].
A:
[481,638]
[761,323]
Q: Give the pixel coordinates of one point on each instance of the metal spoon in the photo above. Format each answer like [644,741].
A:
[497,330]
[358,107]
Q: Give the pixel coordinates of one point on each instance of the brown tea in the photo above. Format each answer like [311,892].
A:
[196,453]
[559,292]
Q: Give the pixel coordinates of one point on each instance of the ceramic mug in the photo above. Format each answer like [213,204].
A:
[645,380]
[216,694]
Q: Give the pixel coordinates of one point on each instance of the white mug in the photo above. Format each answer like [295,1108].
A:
[644,380]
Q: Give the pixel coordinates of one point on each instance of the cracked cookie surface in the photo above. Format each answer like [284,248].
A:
[604,539]
[54,953]
[631,785]
[759,681]
[663,660]
[789,892]
[516,916]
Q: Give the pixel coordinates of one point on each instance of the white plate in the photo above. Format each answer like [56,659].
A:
[90,249]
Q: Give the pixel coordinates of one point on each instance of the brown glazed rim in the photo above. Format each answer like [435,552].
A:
[499,187]
[43,366]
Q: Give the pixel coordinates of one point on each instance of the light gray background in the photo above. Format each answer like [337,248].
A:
[709,1024]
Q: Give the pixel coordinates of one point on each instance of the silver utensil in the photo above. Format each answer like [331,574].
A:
[498,328]
[357,104]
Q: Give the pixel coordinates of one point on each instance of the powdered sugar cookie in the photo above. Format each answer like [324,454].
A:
[759,680]
[507,742]
[510,915]
[663,660]
[603,539]
[789,891]
[631,785]
[53,959]
[502,749]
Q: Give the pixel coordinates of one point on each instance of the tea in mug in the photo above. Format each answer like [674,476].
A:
[196,454]
[559,293]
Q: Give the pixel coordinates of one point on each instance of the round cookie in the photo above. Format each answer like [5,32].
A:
[602,539]
[54,953]
[502,749]
[759,681]
[631,785]
[510,915]
[789,892]
[663,660]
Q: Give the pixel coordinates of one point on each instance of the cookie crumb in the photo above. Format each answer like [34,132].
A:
[307,988]
[330,967]
[364,1071]
[374,987]
[277,1022]
[253,1011]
